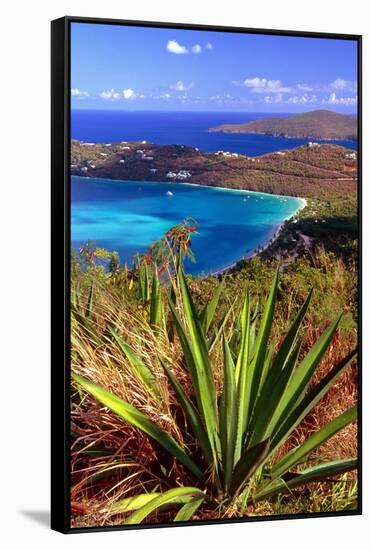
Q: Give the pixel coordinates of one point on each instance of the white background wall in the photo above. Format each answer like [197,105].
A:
[24,288]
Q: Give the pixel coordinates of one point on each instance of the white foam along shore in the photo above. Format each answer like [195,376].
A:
[272,238]
[186,183]
[239,191]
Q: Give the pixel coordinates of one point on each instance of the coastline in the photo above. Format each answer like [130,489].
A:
[252,254]
[228,189]
[319,139]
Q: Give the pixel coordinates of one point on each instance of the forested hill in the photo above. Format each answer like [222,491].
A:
[308,171]
[321,124]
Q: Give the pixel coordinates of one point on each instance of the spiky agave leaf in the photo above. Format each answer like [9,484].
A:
[309,401]
[139,420]
[250,460]
[276,380]
[169,497]
[156,306]
[144,374]
[309,475]
[143,281]
[191,413]
[242,365]
[260,350]
[187,510]
[228,416]
[271,392]
[207,314]
[296,389]
[301,452]
[250,364]
[130,504]
[217,333]
[195,350]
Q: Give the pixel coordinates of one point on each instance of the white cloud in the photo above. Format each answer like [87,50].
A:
[164,95]
[305,88]
[184,98]
[128,93]
[333,99]
[109,94]
[179,86]
[267,86]
[264,85]
[273,99]
[228,99]
[255,82]
[340,84]
[302,100]
[75,92]
[196,48]
[174,47]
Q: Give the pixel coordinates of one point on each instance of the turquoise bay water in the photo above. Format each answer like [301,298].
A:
[127,216]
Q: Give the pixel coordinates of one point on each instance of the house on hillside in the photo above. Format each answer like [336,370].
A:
[352,156]
[181,175]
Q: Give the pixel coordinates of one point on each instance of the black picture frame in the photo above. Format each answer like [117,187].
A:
[60,267]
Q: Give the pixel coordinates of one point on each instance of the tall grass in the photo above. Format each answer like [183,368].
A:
[203,406]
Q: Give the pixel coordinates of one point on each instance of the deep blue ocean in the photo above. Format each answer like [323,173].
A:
[127,216]
[185,128]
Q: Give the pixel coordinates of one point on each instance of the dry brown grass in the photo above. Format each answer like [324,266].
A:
[134,459]
[130,463]
[341,396]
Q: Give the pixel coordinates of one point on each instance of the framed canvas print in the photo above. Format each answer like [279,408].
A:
[205,274]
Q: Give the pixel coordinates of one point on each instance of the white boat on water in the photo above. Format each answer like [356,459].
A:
[169,194]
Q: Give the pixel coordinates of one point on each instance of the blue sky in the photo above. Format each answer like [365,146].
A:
[131,68]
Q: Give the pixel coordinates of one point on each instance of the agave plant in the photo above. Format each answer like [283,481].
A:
[266,393]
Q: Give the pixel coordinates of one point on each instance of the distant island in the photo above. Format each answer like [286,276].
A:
[321,124]
[312,170]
